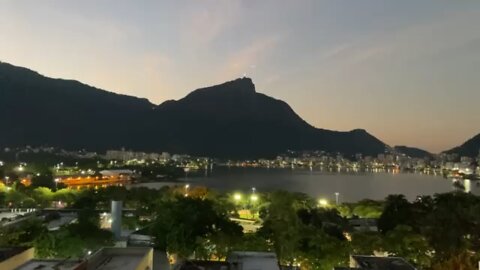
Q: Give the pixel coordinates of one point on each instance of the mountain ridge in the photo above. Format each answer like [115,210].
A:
[413,152]
[226,120]
[470,147]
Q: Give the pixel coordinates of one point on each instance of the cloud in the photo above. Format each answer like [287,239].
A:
[410,43]
[249,58]
[205,23]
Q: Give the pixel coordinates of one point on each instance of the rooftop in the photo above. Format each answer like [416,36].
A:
[6,253]
[205,265]
[382,263]
[50,265]
[118,258]
[243,254]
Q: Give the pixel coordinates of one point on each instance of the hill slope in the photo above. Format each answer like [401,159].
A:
[470,148]
[226,120]
[37,110]
[412,151]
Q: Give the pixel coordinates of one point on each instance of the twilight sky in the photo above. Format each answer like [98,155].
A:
[407,71]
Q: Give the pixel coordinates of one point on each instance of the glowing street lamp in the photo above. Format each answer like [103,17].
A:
[254,198]
[323,202]
[237,197]
[187,186]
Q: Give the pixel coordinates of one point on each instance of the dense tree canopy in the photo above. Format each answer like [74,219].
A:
[432,232]
[187,225]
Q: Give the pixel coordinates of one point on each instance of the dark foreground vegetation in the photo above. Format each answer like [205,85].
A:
[439,232]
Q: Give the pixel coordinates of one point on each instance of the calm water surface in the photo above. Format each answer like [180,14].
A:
[351,186]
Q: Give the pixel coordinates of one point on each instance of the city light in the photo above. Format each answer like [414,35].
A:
[254,198]
[237,196]
[323,202]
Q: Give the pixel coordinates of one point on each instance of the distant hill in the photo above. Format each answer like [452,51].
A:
[226,120]
[470,148]
[412,151]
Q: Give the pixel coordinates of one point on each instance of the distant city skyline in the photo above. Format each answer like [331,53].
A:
[406,71]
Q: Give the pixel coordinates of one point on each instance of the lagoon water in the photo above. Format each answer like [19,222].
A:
[322,184]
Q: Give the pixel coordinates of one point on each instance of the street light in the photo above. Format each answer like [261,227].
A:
[187,186]
[237,197]
[336,197]
[323,202]
[254,198]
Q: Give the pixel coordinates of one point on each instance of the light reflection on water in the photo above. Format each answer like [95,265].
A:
[352,186]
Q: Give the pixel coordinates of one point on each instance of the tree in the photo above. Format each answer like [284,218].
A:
[366,243]
[320,251]
[452,225]
[404,242]
[282,225]
[460,261]
[3,197]
[363,209]
[66,195]
[74,240]
[329,220]
[44,179]
[23,235]
[397,212]
[368,209]
[15,198]
[43,196]
[185,225]
[252,242]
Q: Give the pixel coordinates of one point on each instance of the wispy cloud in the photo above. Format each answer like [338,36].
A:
[248,58]
[410,43]
[205,23]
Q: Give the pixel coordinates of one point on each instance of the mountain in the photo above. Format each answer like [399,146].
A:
[36,110]
[226,120]
[412,151]
[470,148]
